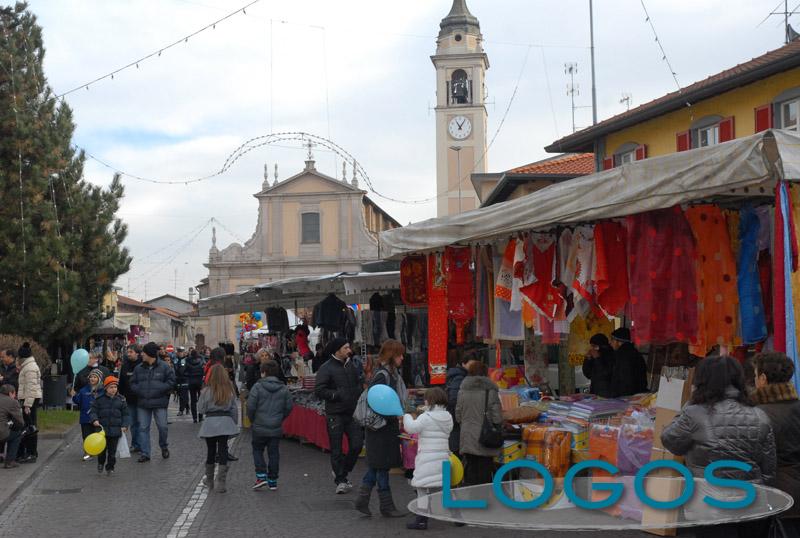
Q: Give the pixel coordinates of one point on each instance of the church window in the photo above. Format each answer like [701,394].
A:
[459,88]
[310,228]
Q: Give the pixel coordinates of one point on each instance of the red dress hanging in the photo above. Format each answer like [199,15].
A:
[460,292]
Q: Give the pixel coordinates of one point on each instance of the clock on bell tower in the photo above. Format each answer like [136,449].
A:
[461,115]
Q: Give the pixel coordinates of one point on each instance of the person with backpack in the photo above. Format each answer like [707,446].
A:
[268,405]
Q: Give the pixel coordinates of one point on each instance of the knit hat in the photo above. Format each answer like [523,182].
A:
[98,372]
[335,345]
[25,351]
[110,380]
[151,349]
[599,340]
[623,334]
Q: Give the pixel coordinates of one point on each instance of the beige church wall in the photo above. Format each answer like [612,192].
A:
[306,185]
[291,231]
[330,227]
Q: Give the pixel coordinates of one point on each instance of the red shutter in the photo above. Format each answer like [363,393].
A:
[684,140]
[726,129]
[763,118]
[608,163]
[641,152]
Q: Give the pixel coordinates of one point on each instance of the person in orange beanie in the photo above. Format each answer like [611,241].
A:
[110,412]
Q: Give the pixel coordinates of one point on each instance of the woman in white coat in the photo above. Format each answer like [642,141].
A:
[433,427]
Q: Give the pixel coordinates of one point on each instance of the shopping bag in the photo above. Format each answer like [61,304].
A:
[123,450]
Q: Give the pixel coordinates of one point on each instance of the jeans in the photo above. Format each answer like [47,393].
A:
[160,416]
[271,444]
[110,452]
[134,413]
[30,443]
[217,446]
[338,427]
[12,444]
[377,476]
[194,394]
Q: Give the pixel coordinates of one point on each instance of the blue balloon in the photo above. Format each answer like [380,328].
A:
[79,360]
[257,316]
[384,401]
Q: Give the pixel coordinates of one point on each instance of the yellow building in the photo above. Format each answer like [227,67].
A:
[753,96]
[309,224]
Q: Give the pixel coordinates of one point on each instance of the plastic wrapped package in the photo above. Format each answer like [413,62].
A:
[509,399]
[635,445]
[603,445]
[549,446]
[629,506]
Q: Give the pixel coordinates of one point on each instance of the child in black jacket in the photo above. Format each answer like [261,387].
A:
[110,411]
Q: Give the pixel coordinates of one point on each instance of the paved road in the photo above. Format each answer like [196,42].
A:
[162,498]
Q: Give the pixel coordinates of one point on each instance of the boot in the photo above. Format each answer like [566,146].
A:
[362,501]
[222,474]
[387,505]
[419,523]
[208,480]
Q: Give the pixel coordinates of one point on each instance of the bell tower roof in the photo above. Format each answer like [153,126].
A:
[459,17]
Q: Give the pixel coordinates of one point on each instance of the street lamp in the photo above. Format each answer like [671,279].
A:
[457,149]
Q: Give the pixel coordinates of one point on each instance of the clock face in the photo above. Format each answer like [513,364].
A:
[460,127]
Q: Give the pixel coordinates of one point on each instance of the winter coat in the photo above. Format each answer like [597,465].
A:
[179,365]
[82,379]
[383,445]
[10,411]
[153,383]
[779,401]
[30,382]
[470,410]
[340,385]
[630,371]
[83,399]
[317,362]
[433,427]
[125,376]
[219,419]
[455,376]
[600,372]
[268,405]
[112,413]
[728,430]
[193,372]
[10,375]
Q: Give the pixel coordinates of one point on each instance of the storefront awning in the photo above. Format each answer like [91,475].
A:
[298,292]
[739,168]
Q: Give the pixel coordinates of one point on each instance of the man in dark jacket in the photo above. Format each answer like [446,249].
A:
[455,376]
[339,384]
[598,366]
[11,424]
[153,382]
[268,405]
[193,373]
[129,364]
[181,385]
[8,368]
[630,371]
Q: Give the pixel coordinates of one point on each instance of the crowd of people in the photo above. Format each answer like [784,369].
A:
[727,417]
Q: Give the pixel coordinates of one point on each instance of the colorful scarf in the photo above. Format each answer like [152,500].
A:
[460,297]
[505,273]
[437,320]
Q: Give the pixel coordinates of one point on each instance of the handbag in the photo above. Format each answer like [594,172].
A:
[365,416]
[491,434]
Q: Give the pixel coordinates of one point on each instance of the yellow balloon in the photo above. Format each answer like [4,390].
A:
[260,324]
[94,443]
[456,470]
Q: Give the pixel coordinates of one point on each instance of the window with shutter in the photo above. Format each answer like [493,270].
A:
[684,140]
[641,152]
[608,163]
[763,118]
[726,129]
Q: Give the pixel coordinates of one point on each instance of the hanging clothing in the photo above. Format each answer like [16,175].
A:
[716,279]
[786,263]
[794,196]
[484,293]
[507,324]
[460,282]
[331,313]
[611,269]
[437,320]
[518,276]
[542,294]
[505,272]
[413,280]
[579,271]
[751,305]
[662,277]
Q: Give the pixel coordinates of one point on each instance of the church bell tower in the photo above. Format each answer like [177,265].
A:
[461,115]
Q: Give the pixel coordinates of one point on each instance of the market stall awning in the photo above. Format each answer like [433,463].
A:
[298,292]
[737,168]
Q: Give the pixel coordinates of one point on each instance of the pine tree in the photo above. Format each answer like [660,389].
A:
[60,240]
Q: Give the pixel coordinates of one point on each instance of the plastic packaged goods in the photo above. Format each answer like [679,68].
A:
[604,444]
[549,446]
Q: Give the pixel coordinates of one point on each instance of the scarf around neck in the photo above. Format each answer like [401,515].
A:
[776,392]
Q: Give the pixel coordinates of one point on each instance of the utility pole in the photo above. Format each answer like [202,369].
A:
[571,69]
[457,149]
[591,48]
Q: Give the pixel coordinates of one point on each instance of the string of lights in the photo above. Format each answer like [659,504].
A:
[661,47]
[156,53]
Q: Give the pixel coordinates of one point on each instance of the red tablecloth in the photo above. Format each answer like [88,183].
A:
[308,425]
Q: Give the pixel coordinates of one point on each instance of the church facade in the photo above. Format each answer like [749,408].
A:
[309,224]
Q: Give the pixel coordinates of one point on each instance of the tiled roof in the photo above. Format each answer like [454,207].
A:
[167,312]
[774,61]
[121,299]
[572,164]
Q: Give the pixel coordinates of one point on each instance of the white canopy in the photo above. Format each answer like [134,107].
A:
[299,291]
[745,167]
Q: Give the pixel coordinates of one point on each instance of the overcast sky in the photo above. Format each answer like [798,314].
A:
[358,71]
